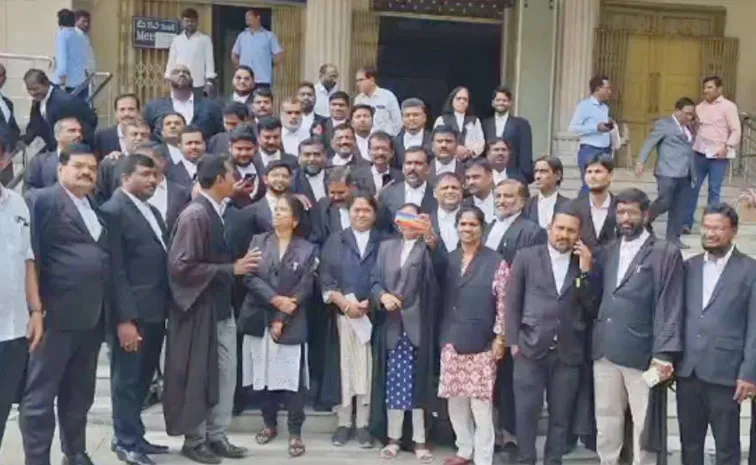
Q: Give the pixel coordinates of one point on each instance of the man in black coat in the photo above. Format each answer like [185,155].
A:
[42,170]
[9,130]
[512,128]
[413,133]
[110,169]
[113,139]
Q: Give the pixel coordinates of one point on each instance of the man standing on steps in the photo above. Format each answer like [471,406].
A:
[675,170]
[592,123]
[718,368]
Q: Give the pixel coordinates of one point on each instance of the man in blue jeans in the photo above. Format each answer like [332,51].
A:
[592,123]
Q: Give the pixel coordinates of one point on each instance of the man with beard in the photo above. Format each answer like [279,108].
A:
[310,178]
[514,129]
[293,131]
[325,88]
[196,110]
[138,238]
[248,187]
[445,141]
[548,176]
[192,144]
[169,198]
[448,193]
[480,186]
[638,326]
[43,168]
[388,116]
[262,103]
[172,126]
[716,374]
[234,115]
[113,139]
[110,169]
[362,123]
[195,50]
[415,188]
[499,155]
[344,145]
[549,290]
[413,133]
[331,213]
[243,84]
[381,173]
[310,119]
[270,150]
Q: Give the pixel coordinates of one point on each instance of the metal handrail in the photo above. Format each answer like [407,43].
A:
[18,56]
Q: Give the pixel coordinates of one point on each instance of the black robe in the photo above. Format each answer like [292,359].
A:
[195,274]
[432,266]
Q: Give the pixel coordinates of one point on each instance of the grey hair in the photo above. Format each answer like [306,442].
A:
[413,102]
[58,128]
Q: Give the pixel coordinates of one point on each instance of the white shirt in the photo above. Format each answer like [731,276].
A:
[684,129]
[378,177]
[121,138]
[15,251]
[362,240]
[388,116]
[176,155]
[159,199]
[87,214]
[218,207]
[599,213]
[474,137]
[407,246]
[344,220]
[362,146]
[272,202]
[43,103]
[267,158]
[448,228]
[291,139]
[196,53]
[321,99]
[498,230]
[501,123]
[239,98]
[190,167]
[317,184]
[185,109]
[627,252]
[414,195]
[148,214]
[487,206]
[413,140]
[546,207]
[712,272]
[499,176]
[450,167]
[338,160]
[560,263]
[4,109]
[307,122]
[250,169]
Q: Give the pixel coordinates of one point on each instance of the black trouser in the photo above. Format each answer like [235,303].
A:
[130,380]
[752,447]
[700,404]
[560,381]
[13,355]
[673,199]
[294,402]
[64,366]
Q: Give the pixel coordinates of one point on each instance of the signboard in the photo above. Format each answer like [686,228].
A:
[487,9]
[154,32]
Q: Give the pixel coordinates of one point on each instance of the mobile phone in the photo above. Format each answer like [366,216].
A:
[609,124]
[386,178]
[249,177]
[409,220]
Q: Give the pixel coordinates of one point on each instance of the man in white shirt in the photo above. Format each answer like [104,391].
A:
[195,50]
[388,116]
[548,176]
[448,192]
[83,23]
[480,186]
[362,123]
[445,141]
[511,231]
[293,131]
[21,312]
[324,88]
[413,133]
[310,120]
[193,147]
[499,154]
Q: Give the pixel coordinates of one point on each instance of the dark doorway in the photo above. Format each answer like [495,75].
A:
[228,22]
[428,58]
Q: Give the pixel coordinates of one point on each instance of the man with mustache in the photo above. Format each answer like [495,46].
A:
[548,176]
[499,154]
[717,374]
[110,169]
[293,131]
[480,186]
[331,213]
[43,168]
[262,103]
[344,145]
[637,327]
[270,147]
[514,129]
[234,115]
[192,148]
[362,122]
[413,133]
[448,193]
[310,119]
[310,178]
[248,188]
[415,188]
[445,140]
[380,173]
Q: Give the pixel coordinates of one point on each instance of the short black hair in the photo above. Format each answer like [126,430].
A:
[714,78]
[307,84]
[569,209]
[125,96]
[369,71]
[340,174]
[247,69]
[481,163]
[411,205]
[555,164]
[269,123]
[522,188]
[264,92]
[136,159]
[209,168]
[155,147]
[190,13]
[596,82]
[362,106]
[634,195]
[366,196]
[36,76]
[78,14]
[381,135]
[192,129]
[343,127]
[172,113]
[340,95]
[413,102]
[602,159]
[445,129]
[276,164]
[242,133]
[684,102]
[310,141]
[237,109]
[418,149]
[477,212]
[66,18]
[724,209]
[502,90]
[447,175]
[73,150]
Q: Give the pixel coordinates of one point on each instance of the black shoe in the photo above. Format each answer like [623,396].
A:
[364,439]
[225,449]
[133,457]
[201,454]
[680,245]
[149,448]
[78,459]
[686,230]
[340,436]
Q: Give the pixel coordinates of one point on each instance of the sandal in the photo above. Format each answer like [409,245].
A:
[424,455]
[265,436]
[296,447]
[390,451]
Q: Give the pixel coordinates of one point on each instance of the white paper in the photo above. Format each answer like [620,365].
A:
[362,326]
[652,376]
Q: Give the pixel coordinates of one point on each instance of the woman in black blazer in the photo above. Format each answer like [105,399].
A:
[274,322]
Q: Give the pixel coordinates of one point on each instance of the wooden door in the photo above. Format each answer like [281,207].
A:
[679,65]
[636,99]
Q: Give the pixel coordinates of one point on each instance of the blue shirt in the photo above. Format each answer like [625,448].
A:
[588,114]
[71,57]
[256,50]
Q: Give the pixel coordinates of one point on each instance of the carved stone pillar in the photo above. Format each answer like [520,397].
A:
[328,38]
[578,21]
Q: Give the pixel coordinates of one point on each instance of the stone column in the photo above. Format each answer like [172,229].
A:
[578,21]
[328,38]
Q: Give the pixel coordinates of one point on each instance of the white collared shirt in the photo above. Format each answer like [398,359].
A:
[185,109]
[407,246]
[307,122]
[450,167]
[159,199]
[190,167]
[447,228]
[87,214]
[499,176]
[272,202]
[317,184]
[487,206]
[250,169]
[378,177]
[599,213]
[560,263]
[196,53]
[15,251]
[4,109]
[267,158]
[338,160]
[239,98]
[219,208]
[413,140]
[388,115]
[291,139]
[546,206]
[176,154]
[627,252]
[362,240]
[499,228]
[148,214]
[501,123]
[43,103]
[414,195]
[321,99]
[344,218]
[362,146]
[121,138]
[712,272]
